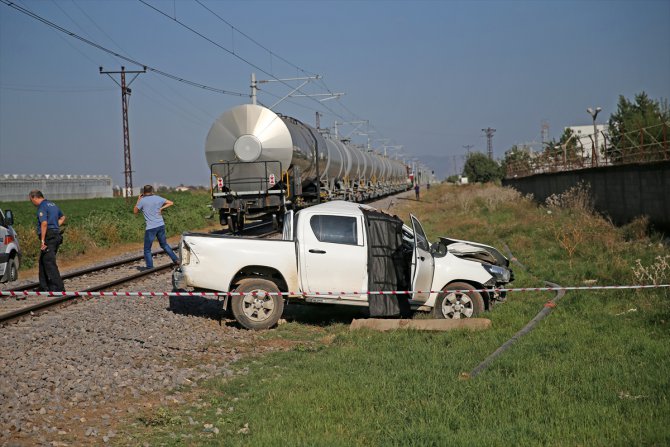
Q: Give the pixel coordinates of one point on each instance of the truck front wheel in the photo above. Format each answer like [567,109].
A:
[256,309]
[453,303]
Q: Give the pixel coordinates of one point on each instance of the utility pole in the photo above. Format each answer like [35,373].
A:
[125,93]
[489,141]
[467,147]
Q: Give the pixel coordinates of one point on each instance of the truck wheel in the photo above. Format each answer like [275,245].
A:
[256,310]
[455,305]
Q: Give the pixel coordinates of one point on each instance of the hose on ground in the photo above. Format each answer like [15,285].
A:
[546,310]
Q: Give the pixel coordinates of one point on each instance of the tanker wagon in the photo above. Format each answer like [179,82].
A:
[263,163]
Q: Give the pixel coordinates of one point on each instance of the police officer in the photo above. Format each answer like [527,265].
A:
[49,220]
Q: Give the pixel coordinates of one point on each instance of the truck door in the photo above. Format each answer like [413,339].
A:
[422,263]
[333,255]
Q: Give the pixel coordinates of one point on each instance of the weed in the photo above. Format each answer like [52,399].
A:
[637,229]
[577,198]
[656,273]
[160,418]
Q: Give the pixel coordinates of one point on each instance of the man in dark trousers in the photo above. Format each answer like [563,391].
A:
[49,220]
[152,206]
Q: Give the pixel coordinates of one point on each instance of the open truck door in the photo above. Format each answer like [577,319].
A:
[423,264]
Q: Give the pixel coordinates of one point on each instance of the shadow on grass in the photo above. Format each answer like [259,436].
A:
[323,314]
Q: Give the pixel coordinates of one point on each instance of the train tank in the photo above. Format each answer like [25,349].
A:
[262,163]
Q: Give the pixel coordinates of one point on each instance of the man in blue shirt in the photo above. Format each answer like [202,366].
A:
[49,220]
[152,206]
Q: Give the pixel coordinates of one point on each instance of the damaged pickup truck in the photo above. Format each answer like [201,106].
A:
[334,253]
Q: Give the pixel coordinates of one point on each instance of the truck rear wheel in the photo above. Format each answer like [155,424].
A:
[256,309]
[455,305]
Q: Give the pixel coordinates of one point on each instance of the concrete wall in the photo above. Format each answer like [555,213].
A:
[620,192]
[15,187]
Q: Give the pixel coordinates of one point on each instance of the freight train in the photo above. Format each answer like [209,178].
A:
[263,163]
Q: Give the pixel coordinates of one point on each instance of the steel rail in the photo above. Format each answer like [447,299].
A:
[6,317]
[34,285]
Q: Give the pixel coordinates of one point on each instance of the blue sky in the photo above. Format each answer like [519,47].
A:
[428,75]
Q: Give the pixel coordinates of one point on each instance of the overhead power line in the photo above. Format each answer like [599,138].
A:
[232,53]
[120,56]
[272,53]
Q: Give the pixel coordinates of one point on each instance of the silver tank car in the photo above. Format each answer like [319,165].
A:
[263,163]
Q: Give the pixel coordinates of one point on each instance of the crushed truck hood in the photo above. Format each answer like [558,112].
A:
[469,249]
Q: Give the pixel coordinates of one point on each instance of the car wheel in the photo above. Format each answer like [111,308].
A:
[12,270]
[451,304]
[256,309]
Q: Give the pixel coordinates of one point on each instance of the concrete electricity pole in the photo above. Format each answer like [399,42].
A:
[489,141]
[125,93]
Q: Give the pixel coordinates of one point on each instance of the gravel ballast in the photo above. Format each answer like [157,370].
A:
[75,370]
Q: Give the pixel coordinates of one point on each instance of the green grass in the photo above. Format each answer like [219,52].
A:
[592,373]
[102,223]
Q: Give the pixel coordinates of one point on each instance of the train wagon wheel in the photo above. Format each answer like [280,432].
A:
[232,223]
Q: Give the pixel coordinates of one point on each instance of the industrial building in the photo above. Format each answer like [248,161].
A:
[15,187]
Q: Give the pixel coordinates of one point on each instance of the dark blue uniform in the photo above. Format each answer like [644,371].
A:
[49,275]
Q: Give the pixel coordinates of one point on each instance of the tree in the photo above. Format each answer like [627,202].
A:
[516,161]
[480,168]
[638,128]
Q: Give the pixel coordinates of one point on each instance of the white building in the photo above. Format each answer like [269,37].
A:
[15,187]
[586,140]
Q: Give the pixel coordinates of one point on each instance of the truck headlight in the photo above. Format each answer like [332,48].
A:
[501,274]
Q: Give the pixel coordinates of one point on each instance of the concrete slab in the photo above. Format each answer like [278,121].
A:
[379,324]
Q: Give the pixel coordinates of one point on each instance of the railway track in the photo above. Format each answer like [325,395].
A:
[111,276]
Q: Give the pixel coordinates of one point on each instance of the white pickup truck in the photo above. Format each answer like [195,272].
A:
[335,253]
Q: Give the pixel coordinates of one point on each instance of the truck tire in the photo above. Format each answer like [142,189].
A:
[456,305]
[256,310]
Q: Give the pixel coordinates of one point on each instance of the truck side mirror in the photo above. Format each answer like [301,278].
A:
[9,217]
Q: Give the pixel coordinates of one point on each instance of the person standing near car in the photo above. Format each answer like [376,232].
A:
[49,220]
[152,207]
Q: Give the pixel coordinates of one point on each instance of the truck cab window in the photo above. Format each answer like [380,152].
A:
[334,229]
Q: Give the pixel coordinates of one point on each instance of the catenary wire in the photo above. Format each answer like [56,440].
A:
[232,53]
[116,54]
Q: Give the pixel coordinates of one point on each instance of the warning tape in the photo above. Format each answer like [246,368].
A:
[322,294]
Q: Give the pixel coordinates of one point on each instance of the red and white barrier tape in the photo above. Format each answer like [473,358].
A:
[322,294]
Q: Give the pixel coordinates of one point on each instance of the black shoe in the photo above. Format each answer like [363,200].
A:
[144,269]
